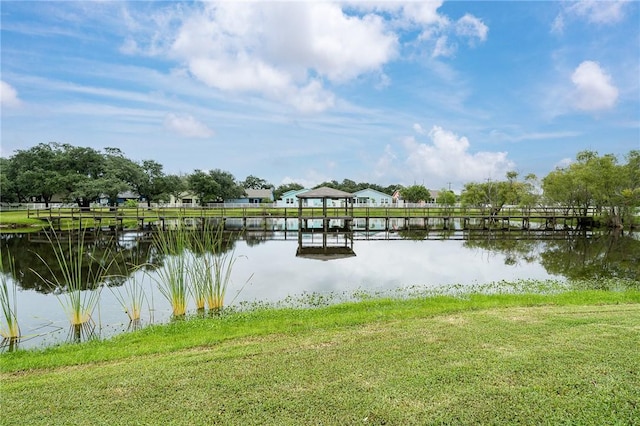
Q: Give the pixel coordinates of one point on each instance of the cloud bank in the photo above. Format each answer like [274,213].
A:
[445,157]
[295,52]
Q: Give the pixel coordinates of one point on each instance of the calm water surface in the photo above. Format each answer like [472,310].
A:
[268,270]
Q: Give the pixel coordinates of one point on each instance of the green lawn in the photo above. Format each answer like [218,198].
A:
[569,358]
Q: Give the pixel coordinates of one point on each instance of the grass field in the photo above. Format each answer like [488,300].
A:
[568,358]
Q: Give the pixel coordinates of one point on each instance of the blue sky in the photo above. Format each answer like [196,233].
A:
[439,93]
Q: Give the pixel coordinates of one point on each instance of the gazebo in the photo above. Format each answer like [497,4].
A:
[344,213]
[324,193]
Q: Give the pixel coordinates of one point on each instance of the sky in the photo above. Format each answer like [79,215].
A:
[434,93]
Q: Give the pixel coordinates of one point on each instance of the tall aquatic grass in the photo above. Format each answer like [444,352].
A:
[9,330]
[212,267]
[199,276]
[80,270]
[221,266]
[131,296]
[172,275]
[196,263]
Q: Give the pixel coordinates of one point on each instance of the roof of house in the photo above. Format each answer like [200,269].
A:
[326,192]
[259,193]
[370,190]
[293,192]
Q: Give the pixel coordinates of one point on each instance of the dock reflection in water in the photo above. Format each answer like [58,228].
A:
[371,261]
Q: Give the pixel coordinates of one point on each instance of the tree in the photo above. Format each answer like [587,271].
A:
[82,169]
[598,182]
[150,181]
[203,186]
[215,186]
[253,182]
[36,172]
[7,187]
[229,188]
[119,174]
[415,193]
[329,184]
[446,197]
[496,194]
[175,185]
[391,188]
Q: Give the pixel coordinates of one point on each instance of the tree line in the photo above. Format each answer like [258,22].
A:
[84,175]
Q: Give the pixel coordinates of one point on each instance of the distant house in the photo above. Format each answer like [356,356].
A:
[254,196]
[399,202]
[186,199]
[290,198]
[371,198]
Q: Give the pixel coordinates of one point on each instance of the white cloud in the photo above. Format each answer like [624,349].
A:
[502,136]
[443,48]
[418,129]
[598,11]
[593,88]
[558,25]
[283,51]
[425,13]
[8,95]
[565,162]
[445,158]
[293,52]
[472,27]
[386,162]
[187,126]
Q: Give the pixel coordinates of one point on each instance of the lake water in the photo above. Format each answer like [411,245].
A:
[268,270]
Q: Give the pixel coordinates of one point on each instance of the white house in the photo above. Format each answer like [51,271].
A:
[371,198]
[399,202]
[290,198]
[187,199]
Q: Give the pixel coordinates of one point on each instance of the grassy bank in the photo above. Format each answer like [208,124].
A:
[493,359]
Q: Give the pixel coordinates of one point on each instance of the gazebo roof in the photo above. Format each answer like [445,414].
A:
[326,192]
[325,253]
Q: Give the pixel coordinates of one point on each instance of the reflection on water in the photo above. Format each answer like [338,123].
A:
[383,261]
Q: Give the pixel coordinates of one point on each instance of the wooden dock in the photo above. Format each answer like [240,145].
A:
[316,218]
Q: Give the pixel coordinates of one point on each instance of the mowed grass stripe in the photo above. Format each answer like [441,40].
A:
[523,364]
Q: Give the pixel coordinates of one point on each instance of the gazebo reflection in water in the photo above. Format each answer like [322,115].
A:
[333,239]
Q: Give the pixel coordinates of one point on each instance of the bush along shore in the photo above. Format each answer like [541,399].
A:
[527,357]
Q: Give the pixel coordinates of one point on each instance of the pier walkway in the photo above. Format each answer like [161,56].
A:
[308,218]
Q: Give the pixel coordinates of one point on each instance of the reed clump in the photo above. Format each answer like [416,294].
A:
[131,295]
[10,329]
[171,276]
[196,262]
[212,268]
[81,267]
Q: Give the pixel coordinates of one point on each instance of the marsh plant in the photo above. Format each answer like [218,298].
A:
[171,277]
[131,296]
[80,270]
[9,330]
[212,267]
[196,263]
[199,276]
